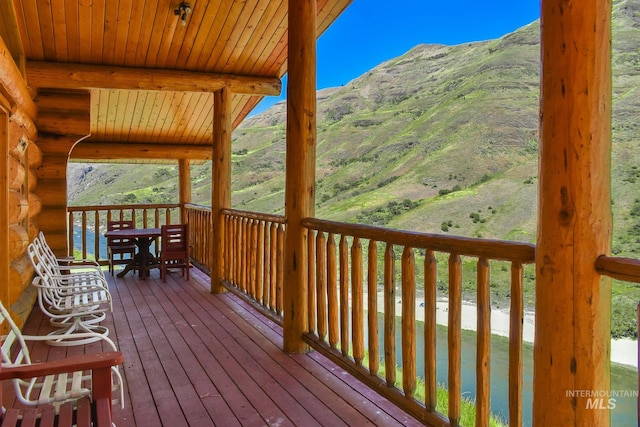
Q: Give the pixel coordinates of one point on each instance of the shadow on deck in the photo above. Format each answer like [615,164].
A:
[197,359]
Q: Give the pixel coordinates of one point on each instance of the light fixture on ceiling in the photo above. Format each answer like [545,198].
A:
[182,11]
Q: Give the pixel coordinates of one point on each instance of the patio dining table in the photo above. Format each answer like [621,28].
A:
[144,260]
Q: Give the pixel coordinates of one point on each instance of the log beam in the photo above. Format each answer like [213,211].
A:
[103,151]
[65,113]
[221,183]
[82,76]
[573,302]
[300,169]
[12,84]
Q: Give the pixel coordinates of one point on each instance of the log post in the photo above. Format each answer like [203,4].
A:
[572,338]
[300,168]
[221,183]
[184,178]
[4,201]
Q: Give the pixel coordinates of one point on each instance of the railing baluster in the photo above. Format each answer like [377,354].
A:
[372,307]
[280,270]
[235,251]
[321,284]
[357,312]
[390,315]
[259,259]
[70,238]
[228,247]
[311,280]
[344,296]
[253,258]
[96,234]
[408,322]
[332,291]
[273,275]
[454,330]
[483,349]
[430,282]
[84,234]
[242,253]
[516,314]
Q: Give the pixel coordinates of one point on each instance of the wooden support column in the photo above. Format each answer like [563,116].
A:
[221,185]
[63,121]
[572,338]
[5,259]
[184,176]
[300,168]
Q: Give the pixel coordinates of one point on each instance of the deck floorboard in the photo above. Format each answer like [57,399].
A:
[197,359]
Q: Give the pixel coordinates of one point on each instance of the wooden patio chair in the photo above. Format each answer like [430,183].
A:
[60,382]
[117,248]
[174,249]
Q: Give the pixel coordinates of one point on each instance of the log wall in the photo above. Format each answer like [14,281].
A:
[23,208]
[18,220]
[58,113]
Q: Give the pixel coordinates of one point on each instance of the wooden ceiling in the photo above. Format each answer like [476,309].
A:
[122,49]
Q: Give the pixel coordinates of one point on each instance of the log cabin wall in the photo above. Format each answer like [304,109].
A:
[17,221]
[63,120]
[24,206]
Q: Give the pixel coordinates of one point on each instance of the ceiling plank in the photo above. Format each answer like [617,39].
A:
[81,76]
[97,30]
[9,30]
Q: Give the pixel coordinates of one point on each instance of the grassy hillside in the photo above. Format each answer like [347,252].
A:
[442,139]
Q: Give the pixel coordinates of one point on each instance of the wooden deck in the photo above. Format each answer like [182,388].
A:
[197,359]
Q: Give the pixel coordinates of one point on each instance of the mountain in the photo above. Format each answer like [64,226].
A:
[440,139]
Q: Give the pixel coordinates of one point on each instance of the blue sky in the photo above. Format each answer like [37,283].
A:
[370,32]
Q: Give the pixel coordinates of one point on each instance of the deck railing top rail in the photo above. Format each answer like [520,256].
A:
[625,269]
[122,207]
[487,248]
[197,207]
[278,219]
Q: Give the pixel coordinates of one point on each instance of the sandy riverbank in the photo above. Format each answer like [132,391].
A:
[623,351]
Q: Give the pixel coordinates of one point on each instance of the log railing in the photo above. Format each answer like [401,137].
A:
[253,258]
[627,270]
[354,267]
[91,221]
[355,273]
[200,222]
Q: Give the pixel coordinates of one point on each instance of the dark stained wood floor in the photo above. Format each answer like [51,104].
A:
[197,359]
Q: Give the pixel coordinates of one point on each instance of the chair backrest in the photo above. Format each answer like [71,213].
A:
[119,225]
[14,348]
[174,241]
[41,260]
[46,249]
